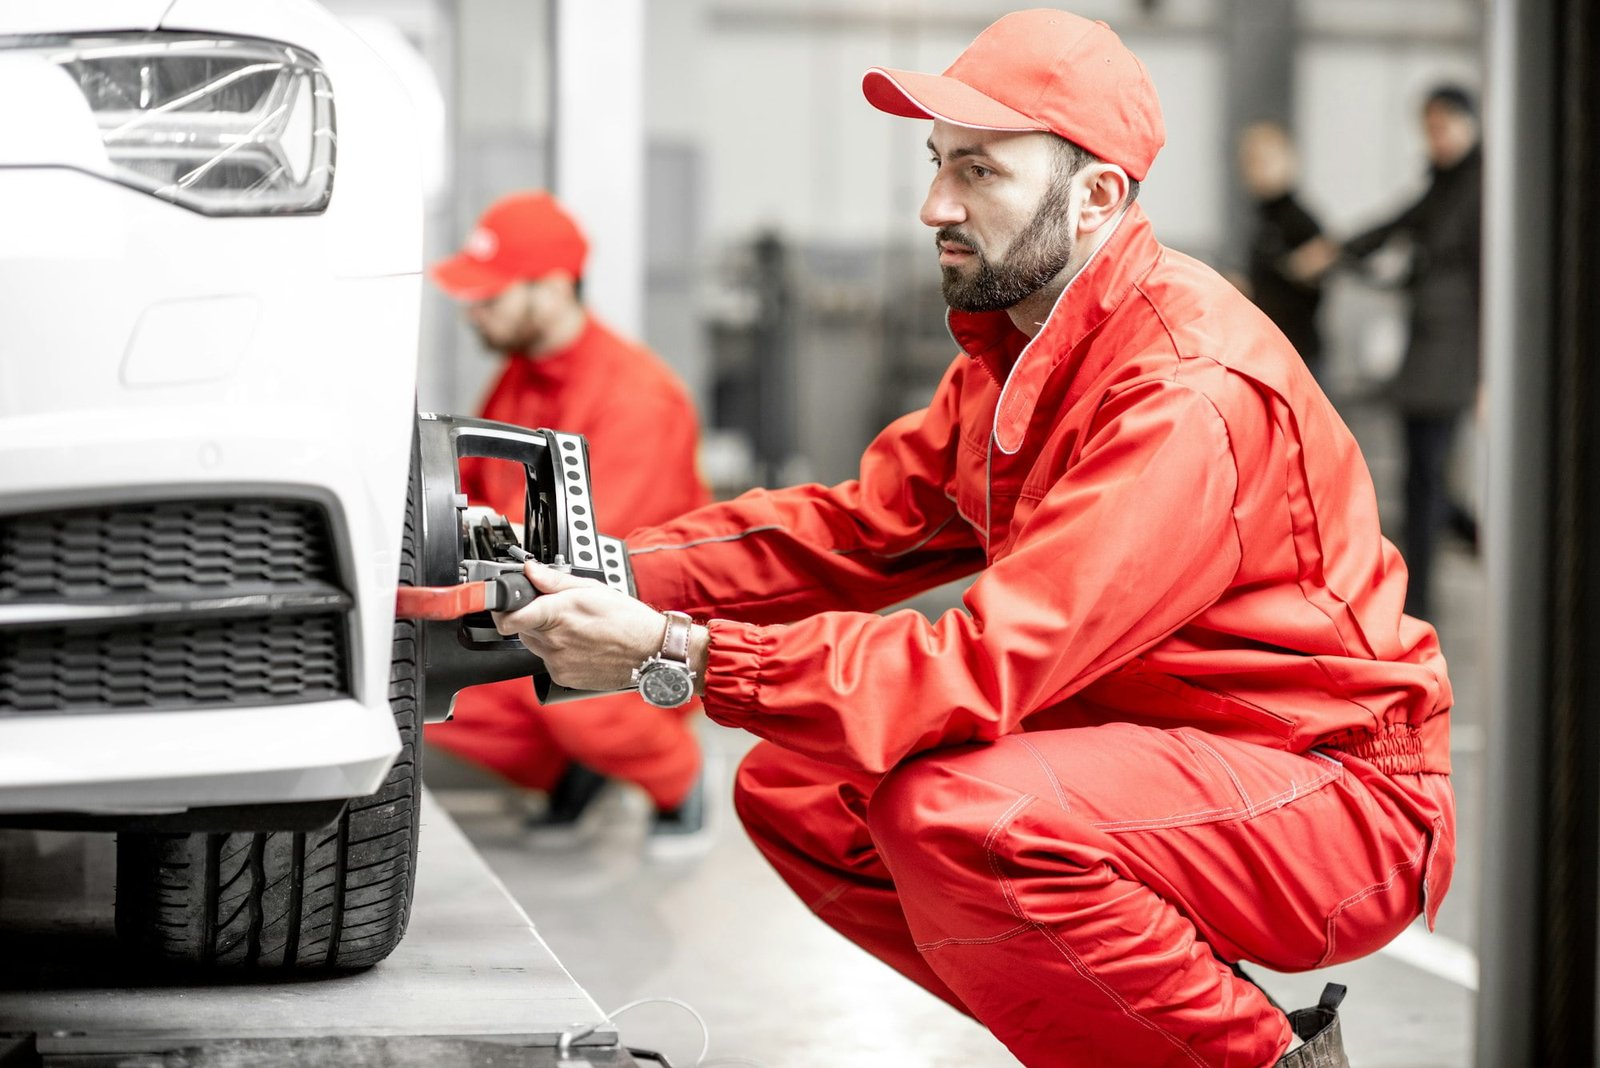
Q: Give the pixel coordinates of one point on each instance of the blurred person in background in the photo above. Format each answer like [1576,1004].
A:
[1270,169]
[519,273]
[1439,378]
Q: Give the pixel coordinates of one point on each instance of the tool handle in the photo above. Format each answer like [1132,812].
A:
[439,602]
[509,592]
[504,593]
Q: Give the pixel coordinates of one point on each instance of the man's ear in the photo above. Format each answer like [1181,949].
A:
[1105,188]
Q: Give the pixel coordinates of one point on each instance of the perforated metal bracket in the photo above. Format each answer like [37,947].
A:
[569,454]
[560,529]
[614,565]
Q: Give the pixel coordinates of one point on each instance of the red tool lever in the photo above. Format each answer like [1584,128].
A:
[504,593]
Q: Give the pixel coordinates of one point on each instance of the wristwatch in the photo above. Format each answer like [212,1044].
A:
[666,680]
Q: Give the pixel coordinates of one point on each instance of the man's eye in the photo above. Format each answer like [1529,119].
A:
[934,160]
[979,171]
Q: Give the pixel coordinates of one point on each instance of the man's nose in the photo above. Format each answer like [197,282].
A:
[942,207]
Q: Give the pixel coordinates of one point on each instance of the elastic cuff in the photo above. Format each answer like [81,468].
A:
[733,670]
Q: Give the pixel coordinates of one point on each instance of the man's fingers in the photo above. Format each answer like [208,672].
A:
[539,614]
[549,580]
[588,635]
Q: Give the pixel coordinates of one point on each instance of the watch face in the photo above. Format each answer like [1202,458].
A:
[665,685]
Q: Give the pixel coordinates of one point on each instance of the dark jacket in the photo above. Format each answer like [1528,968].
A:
[1441,369]
[1283,225]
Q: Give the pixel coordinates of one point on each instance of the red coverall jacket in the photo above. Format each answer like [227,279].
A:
[642,429]
[1175,529]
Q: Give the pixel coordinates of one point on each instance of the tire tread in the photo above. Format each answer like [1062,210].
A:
[336,899]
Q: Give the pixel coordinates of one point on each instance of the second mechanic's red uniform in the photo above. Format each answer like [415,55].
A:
[643,438]
[1179,720]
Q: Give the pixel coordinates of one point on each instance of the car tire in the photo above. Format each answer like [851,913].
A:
[333,899]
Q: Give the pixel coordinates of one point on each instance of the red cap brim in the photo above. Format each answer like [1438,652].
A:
[467,279]
[914,95]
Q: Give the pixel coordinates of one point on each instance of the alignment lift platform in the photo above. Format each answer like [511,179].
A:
[471,985]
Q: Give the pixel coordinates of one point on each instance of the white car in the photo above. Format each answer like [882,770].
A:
[210,271]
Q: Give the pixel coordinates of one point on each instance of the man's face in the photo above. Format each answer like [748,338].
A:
[517,318]
[1266,160]
[999,206]
[1450,134]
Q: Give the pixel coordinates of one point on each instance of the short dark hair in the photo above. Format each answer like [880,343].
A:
[1454,98]
[1072,157]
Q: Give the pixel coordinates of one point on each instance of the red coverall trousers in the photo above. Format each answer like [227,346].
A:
[503,727]
[1077,891]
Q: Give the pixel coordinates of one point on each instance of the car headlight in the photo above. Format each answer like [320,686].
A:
[224,126]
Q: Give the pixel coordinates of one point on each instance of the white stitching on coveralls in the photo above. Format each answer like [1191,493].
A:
[1049,772]
[1237,785]
[973,523]
[705,541]
[988,849]
[1065,950]
[1275,801]
[1021,928]
[1375,888]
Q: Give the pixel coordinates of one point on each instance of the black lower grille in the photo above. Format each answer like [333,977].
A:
[222,601]
[166,547]
[260,661]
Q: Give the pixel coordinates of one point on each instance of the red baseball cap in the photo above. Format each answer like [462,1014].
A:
[521,237]
[1039,70]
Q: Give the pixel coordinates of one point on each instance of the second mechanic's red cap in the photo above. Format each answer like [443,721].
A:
[521,237]
[1039,70]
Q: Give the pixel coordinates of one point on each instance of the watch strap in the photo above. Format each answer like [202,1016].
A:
[675,642]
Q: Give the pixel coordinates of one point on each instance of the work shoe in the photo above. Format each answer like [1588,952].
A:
[1318,1028]
[684,830]
[569,798]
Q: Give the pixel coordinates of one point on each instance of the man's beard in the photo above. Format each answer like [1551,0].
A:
[1036,255]
[504,344]
[491,345]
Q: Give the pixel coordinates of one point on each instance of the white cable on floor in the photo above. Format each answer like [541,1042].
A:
[564,1044]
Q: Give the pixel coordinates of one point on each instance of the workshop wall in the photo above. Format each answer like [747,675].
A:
[756,130]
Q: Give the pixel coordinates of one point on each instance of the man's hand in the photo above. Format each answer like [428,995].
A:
[1308,263]
[589,636]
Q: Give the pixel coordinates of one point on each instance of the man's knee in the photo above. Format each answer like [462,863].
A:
[933,817]
[955,813]
[780,794]
[755,789]
[906,802]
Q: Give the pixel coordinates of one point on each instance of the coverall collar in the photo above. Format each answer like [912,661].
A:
[1023,365]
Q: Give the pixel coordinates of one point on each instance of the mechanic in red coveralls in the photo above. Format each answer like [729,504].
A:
[520,271]
[1180,721]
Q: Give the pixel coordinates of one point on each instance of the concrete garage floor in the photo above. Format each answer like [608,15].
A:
[779,989]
